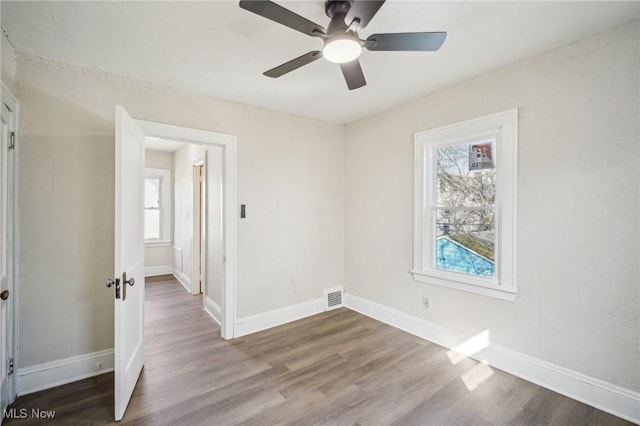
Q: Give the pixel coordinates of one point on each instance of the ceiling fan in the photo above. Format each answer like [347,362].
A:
[341,42]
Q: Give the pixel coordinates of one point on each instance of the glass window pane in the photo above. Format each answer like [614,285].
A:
[151,193]
[465,241]
[466,175]
[151,223]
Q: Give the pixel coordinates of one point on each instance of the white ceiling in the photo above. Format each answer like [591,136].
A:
[217,49]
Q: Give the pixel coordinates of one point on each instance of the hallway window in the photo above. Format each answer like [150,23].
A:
[157,206]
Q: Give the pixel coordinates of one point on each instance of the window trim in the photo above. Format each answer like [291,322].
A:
[165,206]
[504,127]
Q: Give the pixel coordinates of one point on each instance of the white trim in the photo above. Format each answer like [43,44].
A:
[494,291]
[198,280]
[183,279]
[213,309]
[229,288]
[503,128]
[157,243]
[11,101]
[154,271]
[265,320]
[228,142]
[166,205]
[605,396]
[62,371]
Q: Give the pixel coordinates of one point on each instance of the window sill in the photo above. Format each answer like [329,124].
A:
[157,243]
[484,290]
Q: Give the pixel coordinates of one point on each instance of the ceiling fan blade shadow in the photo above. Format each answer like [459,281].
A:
[419,42]
[293,64]
[353,74]
[279,14]
[363,11]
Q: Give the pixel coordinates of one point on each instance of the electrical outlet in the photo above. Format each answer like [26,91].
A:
[98,365]
[426,302]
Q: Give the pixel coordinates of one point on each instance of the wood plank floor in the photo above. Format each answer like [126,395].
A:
[335,368]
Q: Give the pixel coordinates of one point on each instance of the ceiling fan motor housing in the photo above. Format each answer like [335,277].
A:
[337,10]
[332,7]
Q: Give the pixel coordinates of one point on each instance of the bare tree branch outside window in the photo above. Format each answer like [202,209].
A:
[466,201]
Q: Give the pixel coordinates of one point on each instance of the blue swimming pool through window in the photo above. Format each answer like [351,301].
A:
[453,256]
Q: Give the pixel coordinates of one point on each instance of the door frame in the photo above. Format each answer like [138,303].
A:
[197,244]
[228,143]
[13,105]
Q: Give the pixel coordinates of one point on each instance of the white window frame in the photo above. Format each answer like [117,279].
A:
[503,127]
[165,207]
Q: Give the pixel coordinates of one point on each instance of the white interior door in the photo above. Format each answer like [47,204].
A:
[129,259]
[7,296]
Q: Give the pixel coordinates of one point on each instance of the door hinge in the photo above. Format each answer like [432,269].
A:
[11,366]
[12,141]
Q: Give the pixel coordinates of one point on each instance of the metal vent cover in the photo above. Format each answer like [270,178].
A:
[334,298]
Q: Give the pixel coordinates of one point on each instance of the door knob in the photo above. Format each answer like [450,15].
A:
[4,295]
[111,282]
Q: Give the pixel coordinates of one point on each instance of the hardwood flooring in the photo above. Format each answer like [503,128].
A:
[335,368]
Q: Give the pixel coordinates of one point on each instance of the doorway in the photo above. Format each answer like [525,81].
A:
[129,236]
[212,250]
[185,238]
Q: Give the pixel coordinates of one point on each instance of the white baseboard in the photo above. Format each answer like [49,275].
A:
[182,279]
[154,271]
[62,371]
[259,322]
[213,309]
[605,396]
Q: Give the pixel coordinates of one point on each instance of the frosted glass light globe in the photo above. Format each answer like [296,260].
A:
[341,50]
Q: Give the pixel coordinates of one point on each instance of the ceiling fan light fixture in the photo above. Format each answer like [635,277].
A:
[341,49]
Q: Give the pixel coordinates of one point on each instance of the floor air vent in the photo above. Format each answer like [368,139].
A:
[333,298]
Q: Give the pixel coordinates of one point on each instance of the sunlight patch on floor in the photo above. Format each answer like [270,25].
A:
[476,376]
[469,347]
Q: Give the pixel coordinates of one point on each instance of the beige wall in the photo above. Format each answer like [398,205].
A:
[578,234]
[290,174]
[185,158]
[159,256]
[158,159]
[183,211]
[8,63]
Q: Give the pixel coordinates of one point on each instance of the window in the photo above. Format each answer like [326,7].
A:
[157,207]
[465,205]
